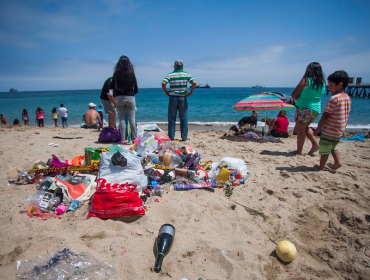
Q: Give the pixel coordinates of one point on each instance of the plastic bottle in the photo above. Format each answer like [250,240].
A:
[163,244]
[191,174]
[46,183]
[54,202]
[51,198]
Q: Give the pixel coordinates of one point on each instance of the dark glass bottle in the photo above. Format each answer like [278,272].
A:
[163,244]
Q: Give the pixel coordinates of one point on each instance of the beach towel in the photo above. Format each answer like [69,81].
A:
[358,137]
[252,135]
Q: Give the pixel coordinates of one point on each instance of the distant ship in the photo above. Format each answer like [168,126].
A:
[258,86]
[13,90]
[203,86]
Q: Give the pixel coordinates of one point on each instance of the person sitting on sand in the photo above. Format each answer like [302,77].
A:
[92,117]
[334,119]
[2,118]
[279,126]
[237,129]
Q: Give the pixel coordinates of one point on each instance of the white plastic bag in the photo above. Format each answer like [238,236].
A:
[148,144]
[132,173]
[236,164]
[213,173]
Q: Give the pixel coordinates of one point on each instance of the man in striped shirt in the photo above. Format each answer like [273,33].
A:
[334,119]
[178,102]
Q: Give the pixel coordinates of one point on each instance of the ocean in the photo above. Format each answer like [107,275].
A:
[207,107]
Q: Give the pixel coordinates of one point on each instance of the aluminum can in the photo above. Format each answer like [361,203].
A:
[158,192]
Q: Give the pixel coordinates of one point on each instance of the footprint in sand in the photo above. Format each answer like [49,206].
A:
[89,238]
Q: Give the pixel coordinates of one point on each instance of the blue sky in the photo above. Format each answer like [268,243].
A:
[74,44]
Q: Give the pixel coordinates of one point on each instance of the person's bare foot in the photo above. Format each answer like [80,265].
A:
[296,154]
[335,166]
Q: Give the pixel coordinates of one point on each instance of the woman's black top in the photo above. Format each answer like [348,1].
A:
[129,92]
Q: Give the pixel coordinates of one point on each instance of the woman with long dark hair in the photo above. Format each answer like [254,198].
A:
[124,87]
[25,117]
[308,94]
[40,117]
[279,126]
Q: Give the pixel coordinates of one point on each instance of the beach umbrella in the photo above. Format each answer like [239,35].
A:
[265,101]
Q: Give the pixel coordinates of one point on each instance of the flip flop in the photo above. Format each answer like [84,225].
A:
[312,153]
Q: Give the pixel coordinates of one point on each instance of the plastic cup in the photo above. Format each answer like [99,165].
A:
[60,209]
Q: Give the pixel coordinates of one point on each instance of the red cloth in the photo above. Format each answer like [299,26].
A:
[281,124]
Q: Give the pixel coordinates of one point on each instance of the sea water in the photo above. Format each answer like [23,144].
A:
[212,106]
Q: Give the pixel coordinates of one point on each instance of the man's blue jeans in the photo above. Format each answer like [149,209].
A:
[178,104]
[64,122]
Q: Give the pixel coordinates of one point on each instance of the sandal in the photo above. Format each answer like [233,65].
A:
[313,151]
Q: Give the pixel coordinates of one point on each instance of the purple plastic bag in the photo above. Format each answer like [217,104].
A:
[109,134]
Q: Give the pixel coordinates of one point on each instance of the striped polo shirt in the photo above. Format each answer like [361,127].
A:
[178,80]
[338,106]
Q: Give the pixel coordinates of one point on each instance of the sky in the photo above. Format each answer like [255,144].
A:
[75,44]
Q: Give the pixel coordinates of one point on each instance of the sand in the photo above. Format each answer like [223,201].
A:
[325,214]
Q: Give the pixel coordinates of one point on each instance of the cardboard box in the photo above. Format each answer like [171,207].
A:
[92,155]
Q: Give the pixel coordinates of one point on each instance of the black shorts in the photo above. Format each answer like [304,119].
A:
[40,122]
[279,134]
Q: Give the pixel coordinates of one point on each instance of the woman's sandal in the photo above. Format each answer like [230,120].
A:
[313,151]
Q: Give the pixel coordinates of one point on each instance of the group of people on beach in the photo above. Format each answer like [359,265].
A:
[118,97]
[307,95]
[40,115]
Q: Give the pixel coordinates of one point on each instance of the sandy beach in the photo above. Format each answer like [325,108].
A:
[325,214]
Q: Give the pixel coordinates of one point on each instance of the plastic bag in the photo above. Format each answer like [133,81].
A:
[236,164]
[169,158]
[148,144]
[80,187]
[132,173]
[109,134]
[64,264]
[161,137]
[115,200]
[33,210]
[269,138]
[151,127]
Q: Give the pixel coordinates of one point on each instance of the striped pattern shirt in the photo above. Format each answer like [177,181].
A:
[338,106]
[178,80]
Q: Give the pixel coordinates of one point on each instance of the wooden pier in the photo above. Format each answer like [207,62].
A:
[361,91]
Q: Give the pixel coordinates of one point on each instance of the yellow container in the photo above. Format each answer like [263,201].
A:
[224,175]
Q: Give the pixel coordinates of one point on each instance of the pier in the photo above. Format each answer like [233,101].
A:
[356,90]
